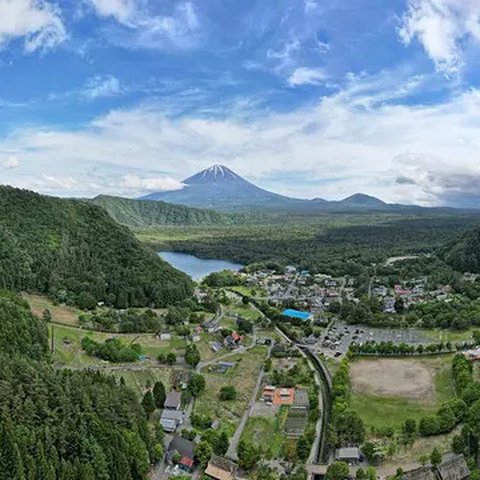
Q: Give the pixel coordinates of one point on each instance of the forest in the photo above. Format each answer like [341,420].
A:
[74,252]
[63,424]
[336,244]
[138,214]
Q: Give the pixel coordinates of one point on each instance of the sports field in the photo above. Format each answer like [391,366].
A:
[386,392]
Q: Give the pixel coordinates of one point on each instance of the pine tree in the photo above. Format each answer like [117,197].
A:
[159,394]
[148,403]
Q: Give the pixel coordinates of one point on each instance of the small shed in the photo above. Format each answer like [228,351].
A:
[349,455]
[173,401]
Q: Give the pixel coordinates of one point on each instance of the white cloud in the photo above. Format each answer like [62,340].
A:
[147,30]
[358,139]
[121,10]
[11,163]
[307,76]
[442,27]
[102,86]
[136,184]
[37,21]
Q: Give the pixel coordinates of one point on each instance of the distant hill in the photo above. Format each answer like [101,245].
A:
[140,214]
[73,250]
[361,200]
[220,188]
[464,254]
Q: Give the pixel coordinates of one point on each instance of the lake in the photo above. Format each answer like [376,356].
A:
[196,267]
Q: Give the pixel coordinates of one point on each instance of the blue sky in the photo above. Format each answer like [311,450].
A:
[312,98]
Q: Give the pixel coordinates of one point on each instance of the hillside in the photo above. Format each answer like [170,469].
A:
[75,252]
[138,214]
[464,255]
[63,424]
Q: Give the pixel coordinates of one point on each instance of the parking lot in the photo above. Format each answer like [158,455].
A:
[336,341]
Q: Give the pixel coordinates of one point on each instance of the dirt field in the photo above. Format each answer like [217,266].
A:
[412,380]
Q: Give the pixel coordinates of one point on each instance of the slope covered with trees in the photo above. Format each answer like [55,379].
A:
[464,254]
[63,424]
[75,252]
[138,214]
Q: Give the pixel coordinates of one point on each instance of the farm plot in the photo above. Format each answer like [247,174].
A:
[60,313]
[243,377]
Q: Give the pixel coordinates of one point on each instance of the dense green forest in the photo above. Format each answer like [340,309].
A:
[63,424]
[75,252]
[464,255]
[334,244]
[138,214]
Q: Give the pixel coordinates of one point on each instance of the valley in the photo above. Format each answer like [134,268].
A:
[375,299]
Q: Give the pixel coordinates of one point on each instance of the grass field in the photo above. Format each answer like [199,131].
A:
[60,313]
[400,389]
[140,380]
[441,335]
[243,377]
[68,349]
[267,433]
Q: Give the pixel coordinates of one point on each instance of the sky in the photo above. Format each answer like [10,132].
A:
[309,98]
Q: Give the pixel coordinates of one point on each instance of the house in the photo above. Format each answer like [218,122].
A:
[216,346]
[173,401]
[454,467]
[301,399]
[165,336]
[211,326]
[198,330]
[389,305]
[278,396]
[350,455]
[181,452]
[171,420]
[220,468]
[195,338]
[233,340]
[268,394]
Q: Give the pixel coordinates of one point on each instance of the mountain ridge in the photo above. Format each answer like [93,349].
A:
[220,188]
[139,214]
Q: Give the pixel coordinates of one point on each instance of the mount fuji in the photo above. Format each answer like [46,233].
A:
[220,188]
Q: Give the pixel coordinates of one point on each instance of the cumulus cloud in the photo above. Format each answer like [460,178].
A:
[306,76]
[442,27]
[134,183]
[102,86]
[37,21]
[11,163]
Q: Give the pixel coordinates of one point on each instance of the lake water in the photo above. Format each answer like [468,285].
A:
[196,267]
